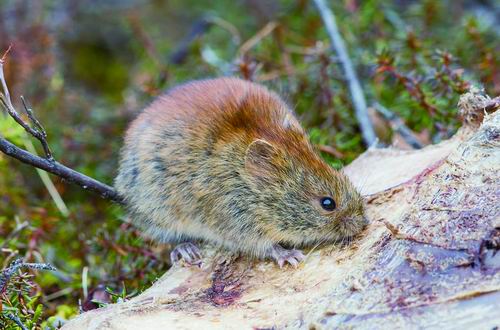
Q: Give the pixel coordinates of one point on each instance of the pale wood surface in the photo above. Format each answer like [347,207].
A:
[440,268]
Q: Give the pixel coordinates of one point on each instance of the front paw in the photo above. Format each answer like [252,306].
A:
[188,252]
[282,255]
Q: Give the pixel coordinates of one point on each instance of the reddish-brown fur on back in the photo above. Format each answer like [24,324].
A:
[226,107]
[234,105]
[225,161]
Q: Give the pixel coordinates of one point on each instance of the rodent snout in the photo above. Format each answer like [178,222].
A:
[360,222]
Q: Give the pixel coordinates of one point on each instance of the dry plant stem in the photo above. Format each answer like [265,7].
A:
[44,176]
[399,126]
[38,132]
[331,151]
[48,163]
[137,28]
[60,170]
[261,34]
[358,97]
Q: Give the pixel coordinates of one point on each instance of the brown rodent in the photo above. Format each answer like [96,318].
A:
[226,162]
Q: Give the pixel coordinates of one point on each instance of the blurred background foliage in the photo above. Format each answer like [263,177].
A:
[88,67]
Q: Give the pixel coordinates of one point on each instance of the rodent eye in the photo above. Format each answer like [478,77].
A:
[328,203]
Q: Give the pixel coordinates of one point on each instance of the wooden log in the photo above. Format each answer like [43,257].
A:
[429,259]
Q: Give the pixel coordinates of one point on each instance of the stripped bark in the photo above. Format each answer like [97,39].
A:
[429,259]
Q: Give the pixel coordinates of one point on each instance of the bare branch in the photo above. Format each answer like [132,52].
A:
[261,34]
[32,117]
[331,150]
[38,132]
[48,163]
[2,78]
[60,170]
[357,95]
[145,40]
[399,126]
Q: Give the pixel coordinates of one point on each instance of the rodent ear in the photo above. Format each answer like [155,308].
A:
[261,159]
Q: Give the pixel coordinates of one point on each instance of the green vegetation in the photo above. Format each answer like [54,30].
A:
[87,71]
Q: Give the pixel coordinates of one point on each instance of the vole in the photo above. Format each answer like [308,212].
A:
[225,161]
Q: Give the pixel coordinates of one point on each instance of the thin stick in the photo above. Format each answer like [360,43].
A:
[399,126]
[60,170]
[331,150]
[2,78]
[358,97]
[47,182]
[144,38]
[48,163]
[38,132]
[261,34]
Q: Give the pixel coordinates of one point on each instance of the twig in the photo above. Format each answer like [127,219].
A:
[261,34]
[331,151]
[4,84]
[47,182]
[47,164]
[38,132]
[60,170]
[358,98]
[144,38]
[399,126]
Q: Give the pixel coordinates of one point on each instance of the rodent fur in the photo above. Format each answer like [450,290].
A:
[225,161]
